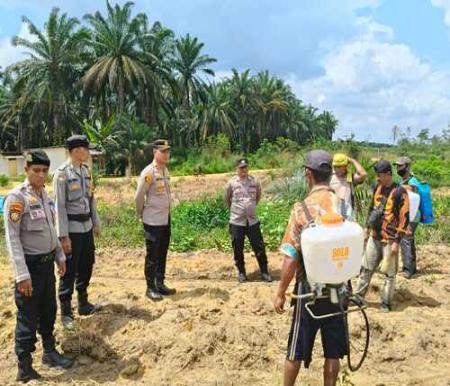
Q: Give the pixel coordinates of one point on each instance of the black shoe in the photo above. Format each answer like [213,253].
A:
[266,277]
[55,359]
[85,307]
[67,316]
[166,291]
[26,372]
[242,277]
[153,294]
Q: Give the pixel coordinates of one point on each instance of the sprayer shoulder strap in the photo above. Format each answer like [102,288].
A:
[309,218]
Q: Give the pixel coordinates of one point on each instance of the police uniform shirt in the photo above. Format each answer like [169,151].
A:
[30,227]
[242,196]
[74,194]
[153,198]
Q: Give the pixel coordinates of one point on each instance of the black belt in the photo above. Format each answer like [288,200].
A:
[79,217]
[40,259]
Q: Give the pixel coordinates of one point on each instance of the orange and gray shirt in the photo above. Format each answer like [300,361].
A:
[241,197]
[395,219]
[153,198]
[321,200]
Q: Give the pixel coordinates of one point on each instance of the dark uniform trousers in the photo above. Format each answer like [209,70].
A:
[253,232]
[79,265]
[157,240]
[38,312]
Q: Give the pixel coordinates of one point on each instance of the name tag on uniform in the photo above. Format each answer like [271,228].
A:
[74,186]
[36,214]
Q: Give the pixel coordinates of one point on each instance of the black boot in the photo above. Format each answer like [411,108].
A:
[67,316]
[242,277]
[86,308]
[26,372]
[55,359]
[265,276]
[164,290]
[153,294]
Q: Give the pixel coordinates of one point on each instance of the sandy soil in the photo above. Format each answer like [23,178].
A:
[119,190]
[218,332]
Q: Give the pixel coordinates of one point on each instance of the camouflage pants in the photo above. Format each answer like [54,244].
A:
[379,254]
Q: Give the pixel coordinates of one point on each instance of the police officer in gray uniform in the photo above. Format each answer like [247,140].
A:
[76,222]
[34,247]
[242,194]
[153,201]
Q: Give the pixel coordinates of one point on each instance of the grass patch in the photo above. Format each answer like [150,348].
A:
[200,224]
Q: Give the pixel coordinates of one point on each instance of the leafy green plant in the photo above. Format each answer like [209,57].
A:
[21,177]
[289,189]
[4,180]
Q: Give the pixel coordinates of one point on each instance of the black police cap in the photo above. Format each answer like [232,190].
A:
[37,157]
[161,144]
[242,163]
[78,141]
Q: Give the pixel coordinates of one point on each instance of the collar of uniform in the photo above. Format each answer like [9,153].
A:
[76,169]
[246,179]
[155,164]
[30,189]
[73,166]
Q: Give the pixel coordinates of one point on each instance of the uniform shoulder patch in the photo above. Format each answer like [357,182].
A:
[16,206]
[15,211]
[148,178]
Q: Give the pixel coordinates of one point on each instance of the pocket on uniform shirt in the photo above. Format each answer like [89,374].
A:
[160,187]
[75,192]
[34,225]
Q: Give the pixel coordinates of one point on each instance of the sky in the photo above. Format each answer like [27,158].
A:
[372,63]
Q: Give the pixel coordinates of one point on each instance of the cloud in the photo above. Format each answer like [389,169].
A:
[445,5]
[10,54]
[372,83]
[282,37]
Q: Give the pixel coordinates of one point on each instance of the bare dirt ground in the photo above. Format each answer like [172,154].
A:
[218,332]
[120,190]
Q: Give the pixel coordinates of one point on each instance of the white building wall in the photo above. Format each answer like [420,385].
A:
[4,165]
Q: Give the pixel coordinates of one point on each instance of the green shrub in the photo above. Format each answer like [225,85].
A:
[433,170]
[200,224]
[21,177]
[289,189]
[4,180]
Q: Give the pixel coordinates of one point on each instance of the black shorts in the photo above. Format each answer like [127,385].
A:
[304,329]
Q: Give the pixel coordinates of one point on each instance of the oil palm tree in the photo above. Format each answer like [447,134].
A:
[215,115]
[118,65]
[190,64]
[44,84]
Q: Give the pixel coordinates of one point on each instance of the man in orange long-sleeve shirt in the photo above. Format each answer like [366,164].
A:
[387,224]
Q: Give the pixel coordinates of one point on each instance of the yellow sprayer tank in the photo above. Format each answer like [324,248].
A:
[332,250]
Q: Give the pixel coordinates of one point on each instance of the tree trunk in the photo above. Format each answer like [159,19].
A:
[121,93]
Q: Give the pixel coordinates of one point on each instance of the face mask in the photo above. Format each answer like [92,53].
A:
[402,172]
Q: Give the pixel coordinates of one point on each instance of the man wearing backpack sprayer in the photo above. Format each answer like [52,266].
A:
[321,200]
[408,245]
[387,224]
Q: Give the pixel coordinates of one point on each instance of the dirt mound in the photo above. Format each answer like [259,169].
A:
[217,332]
